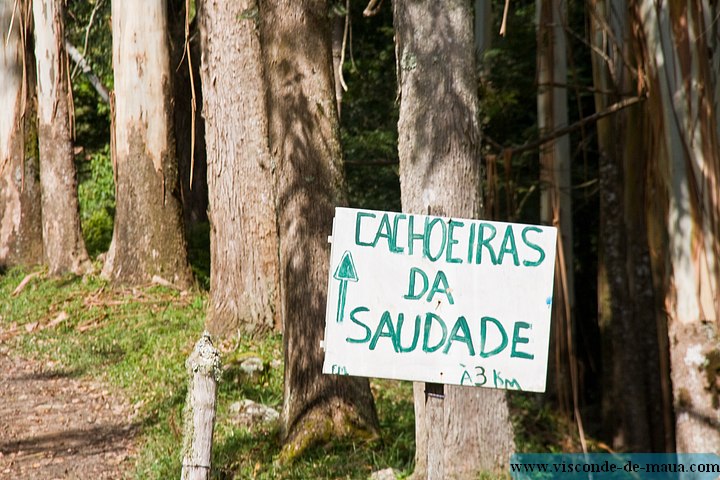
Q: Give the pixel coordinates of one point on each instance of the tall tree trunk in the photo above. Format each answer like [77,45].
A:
[62,237]
[680,55]
[148,236]
[440,172]
[244,274]
[636,408]
[305,145]
[20,213]
[555,179]
[483,27]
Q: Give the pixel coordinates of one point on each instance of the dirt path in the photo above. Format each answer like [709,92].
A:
[53,426]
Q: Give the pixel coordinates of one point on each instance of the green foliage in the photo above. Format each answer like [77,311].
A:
[96,194]
[370,113]
[198,246]
[507,78]
[91,113]
[508,95]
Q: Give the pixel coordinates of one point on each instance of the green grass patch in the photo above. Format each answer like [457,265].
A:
[137,340]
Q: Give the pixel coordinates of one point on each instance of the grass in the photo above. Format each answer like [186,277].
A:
[137,340]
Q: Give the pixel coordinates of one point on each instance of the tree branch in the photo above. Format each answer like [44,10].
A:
[615,107]
[80,61]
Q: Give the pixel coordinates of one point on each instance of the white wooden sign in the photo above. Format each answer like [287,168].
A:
[453,301]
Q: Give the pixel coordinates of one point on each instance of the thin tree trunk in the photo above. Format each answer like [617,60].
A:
[20,213]
[635,409]
[483,32]
[148,236]
[555,179]
[680,51]
[244,275]
[305,144]
[64,247]
[440,172]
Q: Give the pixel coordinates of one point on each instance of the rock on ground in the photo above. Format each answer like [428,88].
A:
[386,474]
[249,414]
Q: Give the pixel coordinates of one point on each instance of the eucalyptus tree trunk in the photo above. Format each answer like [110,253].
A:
[244,274]
[64,247]
[20,213]
[681,58]
[148,235]
[306,156]
[440,174]
[556,188]
[637,406]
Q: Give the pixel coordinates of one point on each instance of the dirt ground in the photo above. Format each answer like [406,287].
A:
[54,426]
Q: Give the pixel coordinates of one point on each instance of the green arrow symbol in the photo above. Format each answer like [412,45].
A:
[345,272]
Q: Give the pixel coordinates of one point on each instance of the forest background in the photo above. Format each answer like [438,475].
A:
[598,117]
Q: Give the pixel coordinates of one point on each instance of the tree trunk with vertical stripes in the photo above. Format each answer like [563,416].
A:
[244,274]
[64,246]
[20,211]
[637,408]
[681,60]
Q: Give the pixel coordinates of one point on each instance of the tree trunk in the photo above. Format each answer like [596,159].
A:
[244,274]
[64,247]
[483,29]
[555,183]
[148,235]
[440,173]
[680,58]
[636,410]
[305,145]
[20,213]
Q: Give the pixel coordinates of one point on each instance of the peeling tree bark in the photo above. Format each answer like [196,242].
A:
[20,213]
[62,236]
[305,148]
[680,55]
[148,235]
[244,274]
[440,173]
[637,409]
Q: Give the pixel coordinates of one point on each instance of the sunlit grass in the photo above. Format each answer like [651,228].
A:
[137,340]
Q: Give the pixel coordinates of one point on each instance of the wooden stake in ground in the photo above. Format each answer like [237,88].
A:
[203,368]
